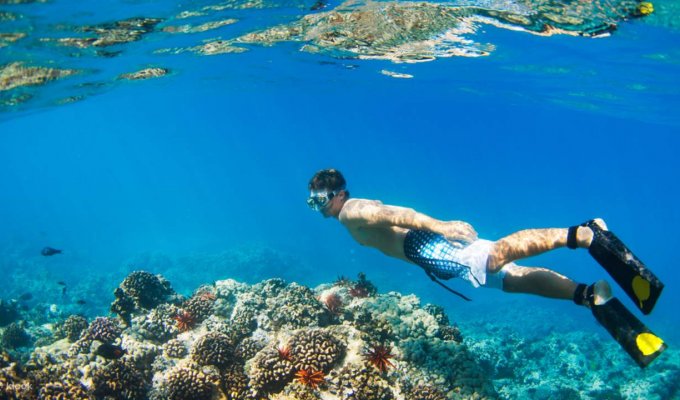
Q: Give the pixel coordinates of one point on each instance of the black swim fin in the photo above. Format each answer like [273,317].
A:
[639,283]
[638,341]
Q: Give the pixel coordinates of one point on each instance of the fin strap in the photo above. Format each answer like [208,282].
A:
[571,237]
[584,295]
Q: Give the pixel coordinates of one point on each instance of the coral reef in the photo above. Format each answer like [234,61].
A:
[160,324]
[146,289]
[356,382]
[71,328]
[175,349]
[188,384]
[103,329]
[119,380]
[15,335]
[63,391]
[201,305]
[8,313]
[314,350]
[213,348]
[140,290]
[270,372]
[387,346]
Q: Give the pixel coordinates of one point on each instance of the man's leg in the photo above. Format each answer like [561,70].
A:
[539,281]
[531,242]
[639,283]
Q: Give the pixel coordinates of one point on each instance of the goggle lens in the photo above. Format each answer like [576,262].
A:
[319,201]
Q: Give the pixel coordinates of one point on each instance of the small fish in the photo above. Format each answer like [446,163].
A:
[26,297]
[81,302]
[110,351]
[318,5]
[62,283]
[48,251]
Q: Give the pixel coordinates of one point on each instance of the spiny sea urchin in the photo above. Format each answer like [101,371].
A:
[185,321]
[379,356]
[309,378]
[284,353]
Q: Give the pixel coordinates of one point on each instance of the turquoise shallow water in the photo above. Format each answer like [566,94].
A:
[200,175]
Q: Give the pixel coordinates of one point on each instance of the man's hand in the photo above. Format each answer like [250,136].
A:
[458,231]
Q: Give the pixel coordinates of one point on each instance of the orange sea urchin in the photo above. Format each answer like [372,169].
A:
[309,378]
[380,356]
[185,321]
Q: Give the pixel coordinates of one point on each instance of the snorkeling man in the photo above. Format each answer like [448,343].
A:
[451,249]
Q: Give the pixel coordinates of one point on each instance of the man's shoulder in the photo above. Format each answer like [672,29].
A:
[353,206]
[354,203]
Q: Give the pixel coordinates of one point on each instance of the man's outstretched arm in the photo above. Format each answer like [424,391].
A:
[375,214]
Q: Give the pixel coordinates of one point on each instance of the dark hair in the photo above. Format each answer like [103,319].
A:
[328,179]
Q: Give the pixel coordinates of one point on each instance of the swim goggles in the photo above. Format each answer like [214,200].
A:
[317,201]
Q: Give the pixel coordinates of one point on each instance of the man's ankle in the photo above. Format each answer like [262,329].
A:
[584,237]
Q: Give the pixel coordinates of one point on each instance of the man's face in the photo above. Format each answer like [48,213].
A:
[328,203]
[330,209]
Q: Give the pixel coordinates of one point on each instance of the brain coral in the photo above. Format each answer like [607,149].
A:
[270,372]
[200,305]
[159,325]
[363,383]
[146,289]
[315,350]
[15,336]
[188,384]
[71,328]
[103,329]
[175,348]
[297,307]
[63,391]
[213,348]
[120,381]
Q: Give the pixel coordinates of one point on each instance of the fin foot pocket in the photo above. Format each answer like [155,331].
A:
[639,283]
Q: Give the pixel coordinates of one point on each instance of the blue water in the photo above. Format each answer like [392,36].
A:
[544,132]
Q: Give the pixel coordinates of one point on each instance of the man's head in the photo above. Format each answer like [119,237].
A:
[327,193]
